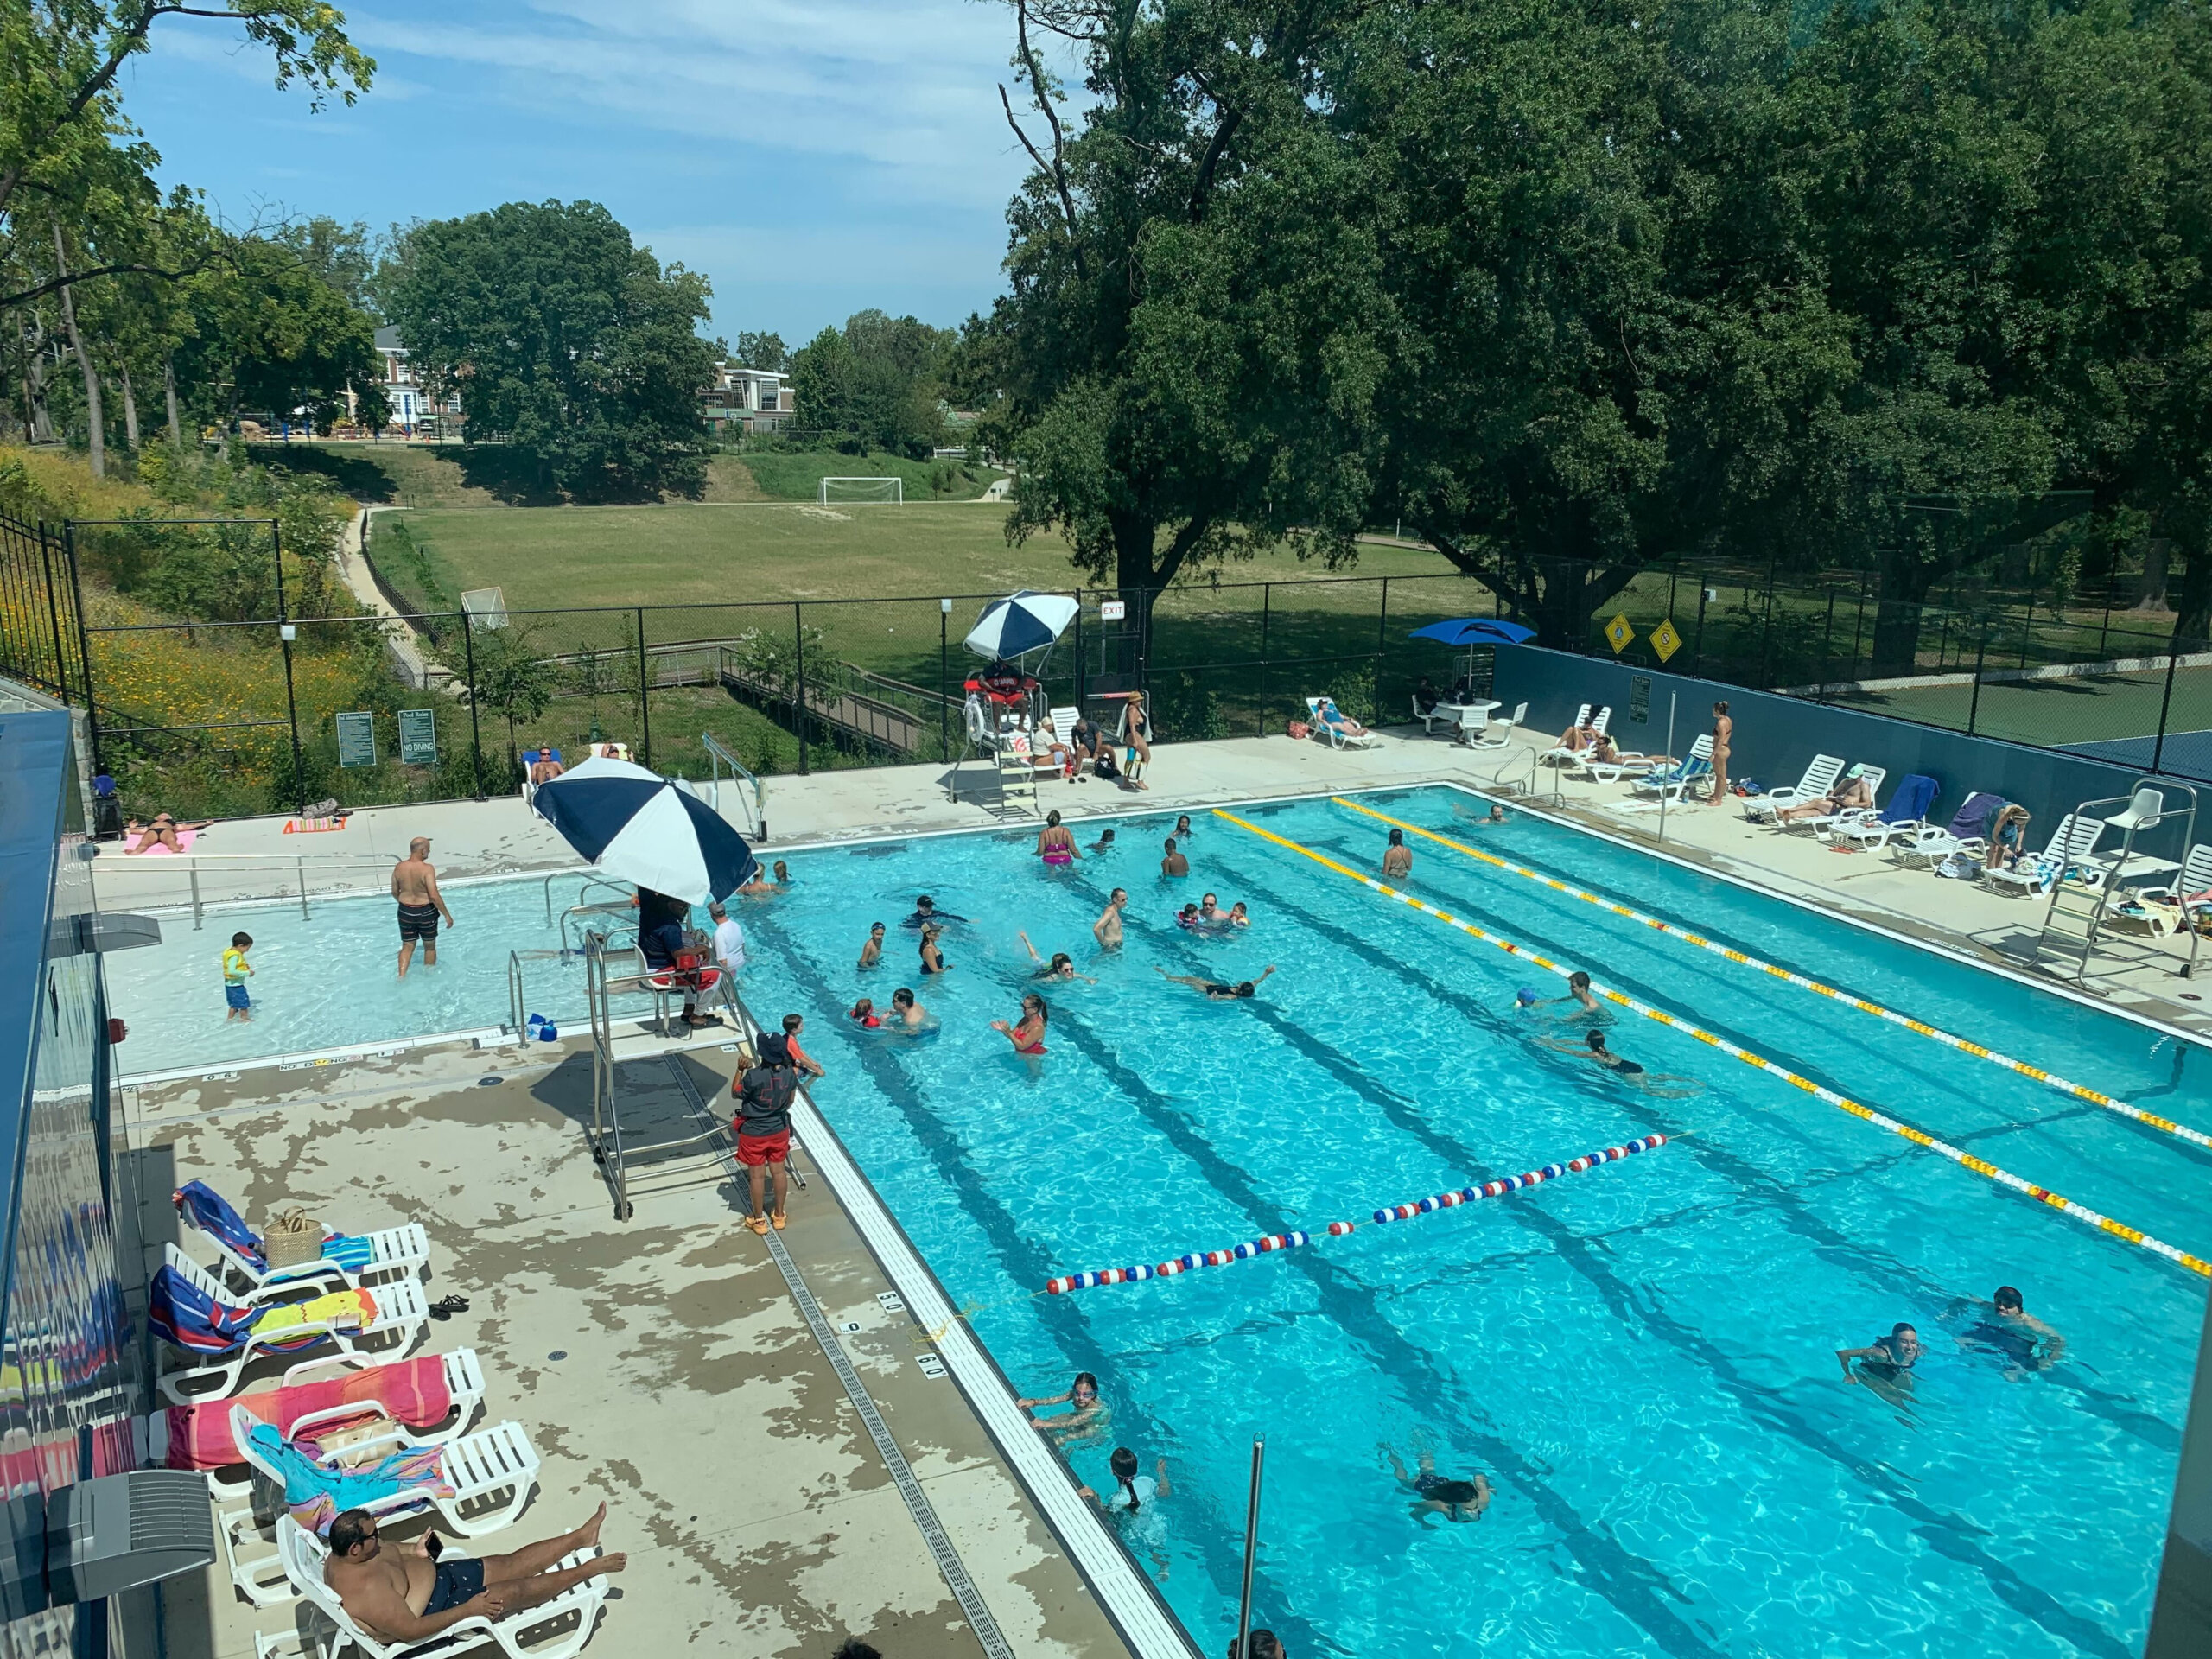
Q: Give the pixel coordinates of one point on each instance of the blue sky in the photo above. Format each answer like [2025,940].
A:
[811,157]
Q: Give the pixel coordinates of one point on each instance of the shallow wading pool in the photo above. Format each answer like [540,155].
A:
[1639,1358]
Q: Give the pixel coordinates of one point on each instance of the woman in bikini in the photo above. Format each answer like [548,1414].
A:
[161,832]
[1139,734]
[933,960]
[1724,728]
[1055,844]
[1028,1035]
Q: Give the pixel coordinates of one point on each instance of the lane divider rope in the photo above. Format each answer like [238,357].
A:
[2079,1091]
[1291,1241]
[1919,1137]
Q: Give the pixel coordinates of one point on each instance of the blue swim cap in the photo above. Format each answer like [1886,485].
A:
[1524,996]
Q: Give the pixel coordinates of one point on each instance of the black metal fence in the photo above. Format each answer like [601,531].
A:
[236,717]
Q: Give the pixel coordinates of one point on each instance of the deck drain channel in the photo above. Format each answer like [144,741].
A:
[917,1504]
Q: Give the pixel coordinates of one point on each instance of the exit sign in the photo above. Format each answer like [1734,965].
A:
[1113,610]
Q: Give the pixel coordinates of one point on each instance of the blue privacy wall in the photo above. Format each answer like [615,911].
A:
[1776,735]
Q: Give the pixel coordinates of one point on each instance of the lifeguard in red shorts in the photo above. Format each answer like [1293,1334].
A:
[764,1127]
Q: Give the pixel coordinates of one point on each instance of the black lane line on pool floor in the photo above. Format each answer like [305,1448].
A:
[1752,1183]
[1714,971]
[1949,1535]
[1026,1263]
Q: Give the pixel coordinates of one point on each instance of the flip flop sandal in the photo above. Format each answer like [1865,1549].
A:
[446,1306]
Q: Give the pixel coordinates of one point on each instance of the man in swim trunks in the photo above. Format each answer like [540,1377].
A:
[1578,991]
[1106,930]
[909,1013]
[415,890]
[402,1593]
[1211,914]
[1885,1359]
[1056,843]
[1175,863]
[2005,1327]
[1455,1500]
[1215,991]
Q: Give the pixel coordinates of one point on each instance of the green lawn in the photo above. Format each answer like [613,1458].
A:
[795,477]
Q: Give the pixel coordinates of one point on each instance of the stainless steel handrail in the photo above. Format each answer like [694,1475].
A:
[718,757]
[590,878]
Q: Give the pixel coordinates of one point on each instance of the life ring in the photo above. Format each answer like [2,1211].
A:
[979,725]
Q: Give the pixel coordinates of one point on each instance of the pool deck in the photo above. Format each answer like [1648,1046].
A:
[660,1364]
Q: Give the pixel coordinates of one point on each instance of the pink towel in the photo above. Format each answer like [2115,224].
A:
[412,1391]
[184,840]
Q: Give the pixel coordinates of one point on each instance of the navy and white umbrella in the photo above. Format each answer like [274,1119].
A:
[1022,623]
[638,826]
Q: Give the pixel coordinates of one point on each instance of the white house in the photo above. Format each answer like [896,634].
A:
[757,400]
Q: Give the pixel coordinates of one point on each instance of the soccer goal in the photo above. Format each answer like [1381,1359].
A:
[862,489]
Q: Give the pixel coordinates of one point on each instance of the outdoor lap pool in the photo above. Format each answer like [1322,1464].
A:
[1640,1359]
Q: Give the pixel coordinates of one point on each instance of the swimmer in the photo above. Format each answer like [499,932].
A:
[1526,999]
[863,1012]
[1056,843]
[1028,1034]
[1496,814]
[932,960]
[1183,826]
[872,953]
[1397,857]
[2003,1325]
[1455,1500]
[1175,863]
[1106,930]
[1578,991]
[1886,1363]
[926,912]
[1188,917]
[1132,1491]
[1103,844]
[1214,990]
[1606,1057]
[1238,916]
[1061,965]
[761,887]
[1089,1411]
[1211,914]
[908,1012]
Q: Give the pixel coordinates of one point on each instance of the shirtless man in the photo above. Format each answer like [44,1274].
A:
[415,889]
[1175,863]
[1106,930]
[401,1594]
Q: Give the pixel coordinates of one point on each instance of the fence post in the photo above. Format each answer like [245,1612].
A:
[475,731]
[798,640]
[84,641]
[1079,652]
[54,612]
[2027,628]
[944,627]
[2165,703]
[1382,623]
[284,631]
[1766,635]
[1973,703]
[1828,650]
[1859,628]
[1267,606]
[644,697]
[1697,650]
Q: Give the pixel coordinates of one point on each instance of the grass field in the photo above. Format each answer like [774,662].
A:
[798,477]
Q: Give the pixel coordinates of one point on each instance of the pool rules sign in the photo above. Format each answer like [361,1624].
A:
[1619,635]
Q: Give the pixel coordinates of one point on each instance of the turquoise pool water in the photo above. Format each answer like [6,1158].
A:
[1639,1358]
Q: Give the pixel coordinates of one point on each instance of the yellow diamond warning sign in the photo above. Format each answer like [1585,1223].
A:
[1665,640]
[1619,635]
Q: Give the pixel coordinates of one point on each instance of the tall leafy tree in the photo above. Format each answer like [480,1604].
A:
[874,384]
[562,337]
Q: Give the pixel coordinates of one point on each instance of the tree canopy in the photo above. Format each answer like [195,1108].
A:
[874,384]
[563,338]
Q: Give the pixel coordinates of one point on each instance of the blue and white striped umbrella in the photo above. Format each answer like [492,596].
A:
[1023,623]
[637,825]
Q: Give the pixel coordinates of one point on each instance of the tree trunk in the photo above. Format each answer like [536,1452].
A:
[1905,583]
[95,420]
[36,369]
[130,408]
[2193,615]
[168,389]
[2152,595]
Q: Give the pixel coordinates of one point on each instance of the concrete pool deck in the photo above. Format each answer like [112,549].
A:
[660,1364]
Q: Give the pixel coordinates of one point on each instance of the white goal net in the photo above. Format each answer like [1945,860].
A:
[862,489]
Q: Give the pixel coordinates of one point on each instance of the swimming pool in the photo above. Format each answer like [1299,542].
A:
[1640,1357]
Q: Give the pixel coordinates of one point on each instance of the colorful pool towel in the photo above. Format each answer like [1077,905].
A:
[410,1391]
[317,1494]
[208,1210]
[182,1314]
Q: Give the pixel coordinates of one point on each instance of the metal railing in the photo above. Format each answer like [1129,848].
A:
[718,757]
[247,863]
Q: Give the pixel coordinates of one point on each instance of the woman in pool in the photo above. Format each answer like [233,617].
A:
[1606,1057]
[1028,1035]
[1455,1500]
[863,1012]
[933,960]
[1062,966]
[1056,843]
[1183,826]
[1213,989]
[1088,1413]
[1886,1363]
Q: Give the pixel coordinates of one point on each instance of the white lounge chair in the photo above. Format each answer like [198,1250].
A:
[1561,751]
[1670,785]
[1322,710]
[1497,735]
[303,1556]
[394,1252]
[402,1317]
[2069,848]
[1820,777]
[493,1471]
[259,1574]
[1820,823]
[1928,846]
[1905,817]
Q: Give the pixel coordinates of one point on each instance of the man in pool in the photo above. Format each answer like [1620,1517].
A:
[1214,989]
[908,1012]
[2004,1326]
[926,912]
[1397,857]
[1578,991]
[406,1593]
[1455,1500]
[872,953]
[415,890]
[1886,1362]
[1175,863]
[1106,930]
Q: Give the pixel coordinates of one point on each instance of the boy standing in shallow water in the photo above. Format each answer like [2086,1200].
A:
[236,971]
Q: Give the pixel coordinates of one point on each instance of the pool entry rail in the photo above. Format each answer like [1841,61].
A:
[719,758]
[1242,1649]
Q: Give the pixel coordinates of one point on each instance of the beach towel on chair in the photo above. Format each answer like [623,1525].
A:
[1971,821]
[410,1391]
[183,1316]
[348,1310]
[316,1496]
[208,1211]
[1910,801]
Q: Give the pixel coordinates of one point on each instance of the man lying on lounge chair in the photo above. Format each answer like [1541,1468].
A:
[409,1593]
[1851,793]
